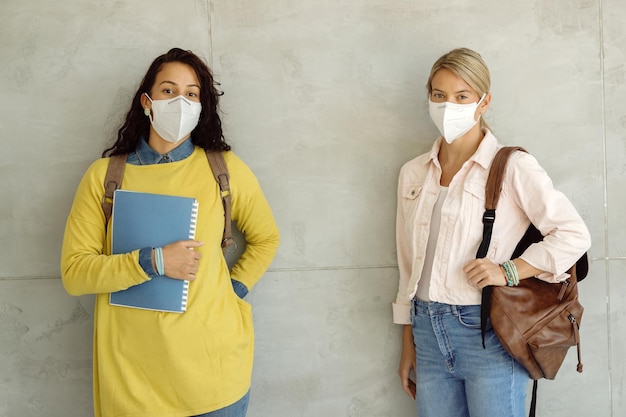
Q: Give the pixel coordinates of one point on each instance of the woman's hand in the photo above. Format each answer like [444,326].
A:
[483,272]
[407,361]
[180,260]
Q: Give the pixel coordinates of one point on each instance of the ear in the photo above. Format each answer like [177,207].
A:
[484,105]
[145,103]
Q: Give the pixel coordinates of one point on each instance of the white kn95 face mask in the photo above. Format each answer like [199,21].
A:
[453,120]
[175,118]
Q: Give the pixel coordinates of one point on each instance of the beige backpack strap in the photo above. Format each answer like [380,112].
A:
[220,172]
[112,181]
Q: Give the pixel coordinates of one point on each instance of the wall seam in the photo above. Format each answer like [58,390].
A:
[30,278]
[210,21]
[332,268]
[606,203]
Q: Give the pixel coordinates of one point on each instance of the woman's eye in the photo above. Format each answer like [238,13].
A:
[437,95]
[168,91]
[193,95]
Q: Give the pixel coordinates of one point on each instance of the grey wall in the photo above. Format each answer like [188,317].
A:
[324,100]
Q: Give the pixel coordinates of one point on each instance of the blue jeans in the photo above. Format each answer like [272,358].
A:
[455,376]
[238,409]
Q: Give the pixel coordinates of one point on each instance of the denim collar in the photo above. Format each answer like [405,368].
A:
[145,155]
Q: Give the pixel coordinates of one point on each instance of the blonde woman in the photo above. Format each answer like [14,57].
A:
[439,228]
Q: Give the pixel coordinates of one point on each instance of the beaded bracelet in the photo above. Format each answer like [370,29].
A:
[515,274]
[510,270]
[509,275]
[506,279]
[158,259]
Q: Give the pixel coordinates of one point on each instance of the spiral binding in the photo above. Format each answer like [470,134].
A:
[192,234]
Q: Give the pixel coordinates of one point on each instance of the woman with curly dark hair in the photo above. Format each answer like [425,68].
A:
[208,132]
[155,363]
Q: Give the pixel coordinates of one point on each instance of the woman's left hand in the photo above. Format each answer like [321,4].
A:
[483,272]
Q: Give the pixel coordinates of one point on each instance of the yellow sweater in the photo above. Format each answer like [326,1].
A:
[158,364]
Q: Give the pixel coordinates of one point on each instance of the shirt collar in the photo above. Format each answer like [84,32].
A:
[148,156]
[486,150]
[434,151]
[483,155]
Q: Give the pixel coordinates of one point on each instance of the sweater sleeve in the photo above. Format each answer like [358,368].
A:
[86,264]
[254,218]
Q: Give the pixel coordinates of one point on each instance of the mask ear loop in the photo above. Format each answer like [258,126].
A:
[478,104]
[146,110]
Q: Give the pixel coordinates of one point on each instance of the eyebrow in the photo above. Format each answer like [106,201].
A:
[173,83]
[456,92]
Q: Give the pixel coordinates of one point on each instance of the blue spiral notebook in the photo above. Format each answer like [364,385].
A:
[142,220]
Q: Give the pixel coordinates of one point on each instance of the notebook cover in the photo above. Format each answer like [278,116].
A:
[151,220]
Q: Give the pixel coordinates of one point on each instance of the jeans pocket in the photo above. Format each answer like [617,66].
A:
[469,316]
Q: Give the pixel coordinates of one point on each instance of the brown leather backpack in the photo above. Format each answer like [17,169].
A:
[536,321]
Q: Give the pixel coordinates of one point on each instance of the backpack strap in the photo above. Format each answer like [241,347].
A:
[496,175]
[492,195]
[115,174]
[112,181]
[220,172]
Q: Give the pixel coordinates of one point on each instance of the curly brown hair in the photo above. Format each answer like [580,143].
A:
[207,134]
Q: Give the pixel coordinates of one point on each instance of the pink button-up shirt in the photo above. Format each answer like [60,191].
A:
[527,196]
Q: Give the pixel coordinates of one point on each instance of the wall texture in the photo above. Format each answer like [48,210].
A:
[324,100]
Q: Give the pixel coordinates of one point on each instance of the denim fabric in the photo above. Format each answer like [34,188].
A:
[456,377]
[145,155]
[145,261]
[238,409]
[240,289]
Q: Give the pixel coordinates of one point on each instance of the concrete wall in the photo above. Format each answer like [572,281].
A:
[324,100]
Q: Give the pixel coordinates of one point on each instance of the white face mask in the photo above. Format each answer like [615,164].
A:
[175,118]
[453,120]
